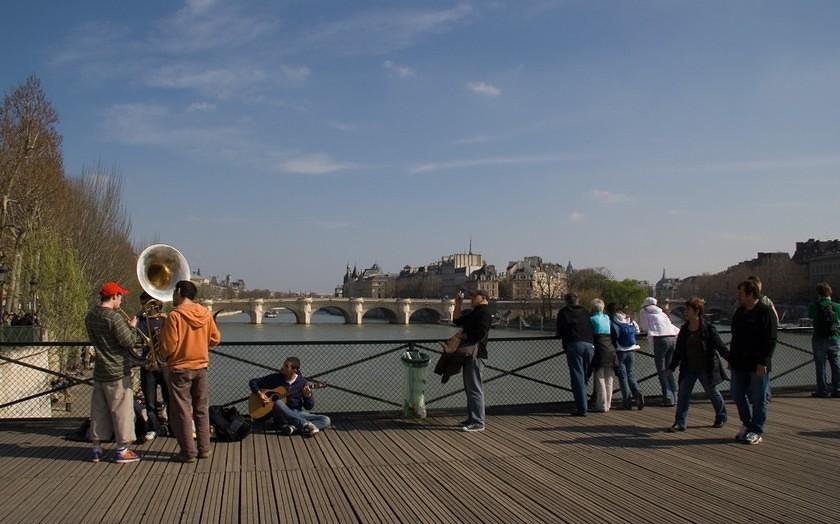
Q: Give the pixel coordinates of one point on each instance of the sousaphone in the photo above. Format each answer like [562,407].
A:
[159,268]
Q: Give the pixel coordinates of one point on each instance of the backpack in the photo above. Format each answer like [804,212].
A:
[626,334]
[228,424]
[825,323]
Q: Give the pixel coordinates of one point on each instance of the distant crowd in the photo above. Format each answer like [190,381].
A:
[600,342]
[20,319]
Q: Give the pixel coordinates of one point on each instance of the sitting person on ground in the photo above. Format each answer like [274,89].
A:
[291,411]
[697,354]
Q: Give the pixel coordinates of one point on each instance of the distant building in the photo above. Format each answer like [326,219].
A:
[667,288]
[486,279]
[370,283]
[531,278]
[822,259]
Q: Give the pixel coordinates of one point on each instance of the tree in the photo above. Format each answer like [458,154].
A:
[626,292]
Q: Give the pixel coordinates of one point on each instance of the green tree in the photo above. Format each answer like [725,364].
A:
[625,292]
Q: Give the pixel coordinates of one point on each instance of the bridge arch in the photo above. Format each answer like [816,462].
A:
[333,309]
[391,314]
[425,314]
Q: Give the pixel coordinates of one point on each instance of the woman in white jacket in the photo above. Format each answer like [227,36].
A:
[658,326]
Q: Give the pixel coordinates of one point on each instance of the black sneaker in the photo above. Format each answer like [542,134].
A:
[719,424]
[817,394]
[640,401]
[675,428]
[287,430]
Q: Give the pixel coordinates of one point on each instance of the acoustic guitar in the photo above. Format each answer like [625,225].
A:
[259,409]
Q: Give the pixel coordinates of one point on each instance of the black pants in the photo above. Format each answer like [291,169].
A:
[149,382]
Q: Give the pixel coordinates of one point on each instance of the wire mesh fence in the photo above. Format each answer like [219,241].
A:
[53,379]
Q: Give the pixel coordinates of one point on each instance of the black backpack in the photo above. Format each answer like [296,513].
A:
[825,323]
[228,424]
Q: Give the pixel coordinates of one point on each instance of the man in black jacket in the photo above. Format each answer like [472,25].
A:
[574,327]
[476,326]
[750,352]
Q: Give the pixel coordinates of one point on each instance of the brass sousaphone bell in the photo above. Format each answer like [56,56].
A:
[159,268]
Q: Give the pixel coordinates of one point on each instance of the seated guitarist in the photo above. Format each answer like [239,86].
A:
[289,412]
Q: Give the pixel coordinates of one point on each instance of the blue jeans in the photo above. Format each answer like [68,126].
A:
[474,389]
[579,357]
[826,348]
[283,414]
[687,380]
[626,380]
[663,352]
[149,381]
[750,394]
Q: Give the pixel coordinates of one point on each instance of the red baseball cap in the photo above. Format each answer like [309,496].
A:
[110,289]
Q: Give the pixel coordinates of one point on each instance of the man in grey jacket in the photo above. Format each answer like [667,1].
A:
[112,399]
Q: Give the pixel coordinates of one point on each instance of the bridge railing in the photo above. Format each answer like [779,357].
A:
[363,376]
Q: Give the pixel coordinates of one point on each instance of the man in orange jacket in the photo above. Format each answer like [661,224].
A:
[185,340]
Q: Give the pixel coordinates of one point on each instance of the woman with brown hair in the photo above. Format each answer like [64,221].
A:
[697,354]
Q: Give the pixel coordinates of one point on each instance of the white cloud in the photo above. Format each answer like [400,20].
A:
[316,164]
[154,126]
[483,88]
[222,82]
[398,70]
[478,139]
[608,197]
[383,31]
[455,164]
[343,126]
[297,74]
[204,107]
[576,217]
[207,24]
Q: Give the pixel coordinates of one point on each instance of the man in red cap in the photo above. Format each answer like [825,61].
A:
[112,400]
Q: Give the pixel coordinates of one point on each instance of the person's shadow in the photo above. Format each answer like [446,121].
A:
[625,436]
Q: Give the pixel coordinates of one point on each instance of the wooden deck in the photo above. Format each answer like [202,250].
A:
[535,467]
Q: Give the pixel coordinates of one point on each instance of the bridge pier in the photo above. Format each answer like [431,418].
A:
[404,309]
[256,311]
[305,311]
[356,311]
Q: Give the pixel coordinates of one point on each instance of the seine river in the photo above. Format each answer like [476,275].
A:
[326,327]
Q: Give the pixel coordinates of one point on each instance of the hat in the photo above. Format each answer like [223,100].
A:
[649,301]
[110,289]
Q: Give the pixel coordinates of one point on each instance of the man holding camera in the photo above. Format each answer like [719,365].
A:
[476,328]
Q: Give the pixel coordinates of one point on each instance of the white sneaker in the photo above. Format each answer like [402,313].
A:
[742,433]
[311,428]
[150,436]
[753,438]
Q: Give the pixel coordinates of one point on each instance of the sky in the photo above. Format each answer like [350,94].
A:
[279,141]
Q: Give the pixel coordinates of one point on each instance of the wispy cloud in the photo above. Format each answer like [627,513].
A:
[219,82]
[296,74]
[609,197]
[316,164]
[343,126]
[207,24]
[154,126]
[478,139]
[575,217]
[398,70]
[457,164]
[483,88]
[383,31]
[204,107]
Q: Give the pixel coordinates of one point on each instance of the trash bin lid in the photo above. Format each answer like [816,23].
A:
[414,358]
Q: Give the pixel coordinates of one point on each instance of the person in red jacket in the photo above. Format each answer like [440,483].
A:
[186,338]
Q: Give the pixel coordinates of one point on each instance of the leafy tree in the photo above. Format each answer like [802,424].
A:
[625,292]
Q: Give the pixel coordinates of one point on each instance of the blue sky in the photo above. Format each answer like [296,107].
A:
[280,140]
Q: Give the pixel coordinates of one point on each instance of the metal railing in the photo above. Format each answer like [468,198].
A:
[363,376]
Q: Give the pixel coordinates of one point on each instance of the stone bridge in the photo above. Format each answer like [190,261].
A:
[396,310]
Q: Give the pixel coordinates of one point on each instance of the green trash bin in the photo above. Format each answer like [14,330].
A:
[414,392]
